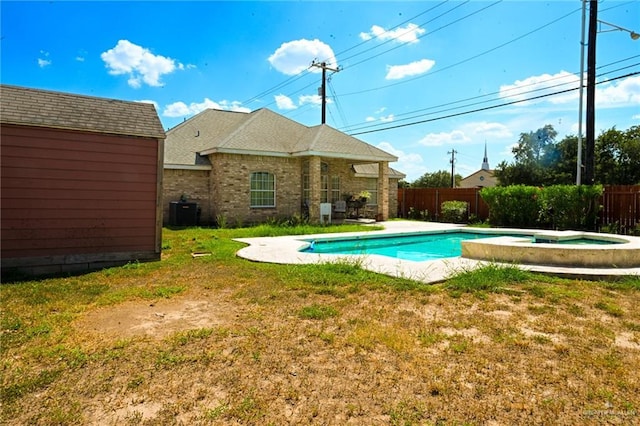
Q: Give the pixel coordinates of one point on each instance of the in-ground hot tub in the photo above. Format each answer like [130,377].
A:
[559,248]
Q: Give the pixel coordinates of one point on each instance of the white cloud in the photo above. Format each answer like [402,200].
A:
[312,99]
[180,109]
[139,63]
[442,138]
[625,92]
[382,118]
[284,102]
[542,84]
[408,34]
[296,56]
[410,164]
[44,61]
[395,72]
[636,117]
[489,130]
[621,93]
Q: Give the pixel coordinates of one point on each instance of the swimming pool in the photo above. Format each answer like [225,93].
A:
[559,254]
[413,247]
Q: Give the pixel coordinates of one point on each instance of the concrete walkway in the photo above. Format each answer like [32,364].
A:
[286,250]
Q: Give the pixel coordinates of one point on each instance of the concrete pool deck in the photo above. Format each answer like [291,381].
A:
[286,250]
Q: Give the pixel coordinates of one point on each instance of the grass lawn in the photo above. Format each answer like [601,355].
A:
[220,340]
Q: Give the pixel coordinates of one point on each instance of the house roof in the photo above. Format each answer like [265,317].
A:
[479,172]
[261,132]
[42,108]
[371,171]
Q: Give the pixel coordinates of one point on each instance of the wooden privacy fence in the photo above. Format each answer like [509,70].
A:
[620,204]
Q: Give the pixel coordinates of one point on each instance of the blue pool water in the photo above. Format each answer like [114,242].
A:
[417,248]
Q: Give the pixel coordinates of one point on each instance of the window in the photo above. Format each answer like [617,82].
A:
[329,188]
[324,188]
[263,189]
[335,189]
[372,187]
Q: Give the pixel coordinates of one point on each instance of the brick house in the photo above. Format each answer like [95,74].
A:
[252,167]
[81,181]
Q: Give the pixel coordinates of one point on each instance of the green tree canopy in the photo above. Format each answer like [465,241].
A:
[439,179]
[540,160]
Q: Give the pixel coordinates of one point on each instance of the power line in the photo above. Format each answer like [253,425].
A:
[443,107]
[303,73]
[491,107]
[405,43]
[386,32]
[464,60]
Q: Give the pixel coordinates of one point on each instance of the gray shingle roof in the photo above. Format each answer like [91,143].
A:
[261,132]
[371,170]
[41,108]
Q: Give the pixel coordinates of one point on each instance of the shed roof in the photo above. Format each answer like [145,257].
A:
[261,132]
[42,108]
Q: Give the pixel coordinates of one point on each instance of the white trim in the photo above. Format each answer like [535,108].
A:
[185,167]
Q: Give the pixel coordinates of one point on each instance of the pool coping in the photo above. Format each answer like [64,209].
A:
[286,250]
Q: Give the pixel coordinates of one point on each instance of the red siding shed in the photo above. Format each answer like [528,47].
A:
[81,181]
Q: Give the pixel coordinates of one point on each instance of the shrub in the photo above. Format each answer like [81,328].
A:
[556,207]
[454,211]
[515,206]
[570,206]
[418,214]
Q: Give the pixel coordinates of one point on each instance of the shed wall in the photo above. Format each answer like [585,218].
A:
[67,193]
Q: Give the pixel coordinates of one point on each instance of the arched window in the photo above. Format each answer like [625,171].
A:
[263,189]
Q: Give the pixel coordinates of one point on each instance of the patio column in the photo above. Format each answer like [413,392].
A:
[314,187]
[383,190]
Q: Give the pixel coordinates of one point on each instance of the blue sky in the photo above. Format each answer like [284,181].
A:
[400,63]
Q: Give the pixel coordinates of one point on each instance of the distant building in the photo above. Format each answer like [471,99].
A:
[483,177]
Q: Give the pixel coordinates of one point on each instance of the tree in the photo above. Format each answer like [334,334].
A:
[618,157]
[532,155]
[439,179]
[541,161]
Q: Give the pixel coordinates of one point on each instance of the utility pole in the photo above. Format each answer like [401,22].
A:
[589,160]
[323,89]
[453,167]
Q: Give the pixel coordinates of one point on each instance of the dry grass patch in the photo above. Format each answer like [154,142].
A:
[218,340]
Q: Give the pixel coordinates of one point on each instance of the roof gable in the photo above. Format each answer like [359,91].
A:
[261,132]
[41,108]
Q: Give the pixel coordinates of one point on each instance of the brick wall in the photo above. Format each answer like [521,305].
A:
[193,184]
[230,187]
[224,191]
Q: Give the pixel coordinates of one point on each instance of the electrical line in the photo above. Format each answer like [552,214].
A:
[336,101]
[492,106]
[385,32]
[365,125]
[303,73]
[464,60]
[405,43]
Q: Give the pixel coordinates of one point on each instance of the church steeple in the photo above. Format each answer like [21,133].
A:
[485,160]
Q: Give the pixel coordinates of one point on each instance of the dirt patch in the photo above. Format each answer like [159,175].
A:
[157,319]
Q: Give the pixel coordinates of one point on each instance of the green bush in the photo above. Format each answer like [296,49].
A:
[418,214]
[570,206]
[454,211]
[555,207]
[513,206]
